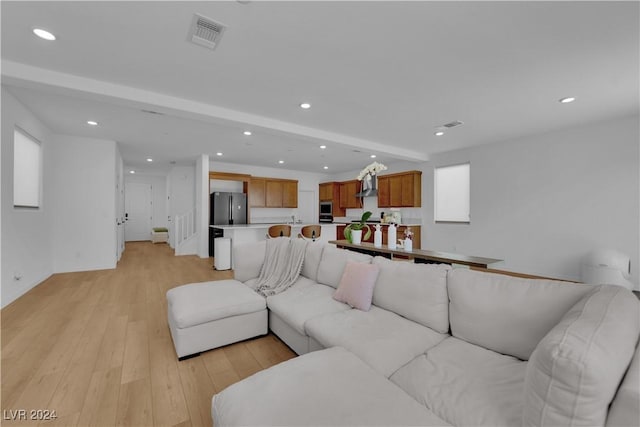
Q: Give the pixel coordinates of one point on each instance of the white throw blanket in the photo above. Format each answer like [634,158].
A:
[282,265]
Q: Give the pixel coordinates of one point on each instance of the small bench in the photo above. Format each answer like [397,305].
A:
[204,316]
[159,235]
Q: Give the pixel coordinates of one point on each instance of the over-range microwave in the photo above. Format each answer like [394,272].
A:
[326,212]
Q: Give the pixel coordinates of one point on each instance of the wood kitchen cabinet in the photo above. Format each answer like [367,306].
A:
[257,194]
[330,192]
[402,189]
[325,191]
[273,193]
[289,194]
[348,190]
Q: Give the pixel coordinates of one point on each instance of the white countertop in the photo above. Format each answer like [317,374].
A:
[258,226]
[372,224]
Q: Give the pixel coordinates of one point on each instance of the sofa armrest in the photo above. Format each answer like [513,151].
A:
[248,260]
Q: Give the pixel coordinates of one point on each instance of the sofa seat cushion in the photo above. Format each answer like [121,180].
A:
[303,301]
[465,384]
[330,387]
[502,313]
[381,338]
[199,303]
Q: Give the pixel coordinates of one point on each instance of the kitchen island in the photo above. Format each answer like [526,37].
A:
[250,233]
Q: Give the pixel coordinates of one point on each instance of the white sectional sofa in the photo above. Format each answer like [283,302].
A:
[440,346]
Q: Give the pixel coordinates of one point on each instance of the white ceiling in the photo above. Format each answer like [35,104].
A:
[381,76]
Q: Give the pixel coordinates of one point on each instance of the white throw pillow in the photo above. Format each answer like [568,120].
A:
[356,285]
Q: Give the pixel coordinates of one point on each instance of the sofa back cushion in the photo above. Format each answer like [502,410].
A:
[311,261]
[248,259]
[574,372]
[507,314]
[333,261]
[415,291]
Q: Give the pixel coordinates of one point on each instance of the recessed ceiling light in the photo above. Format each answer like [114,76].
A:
[439,133]
[92,123]
[281,161]
[43,34]
[325,167]
[132,171]
[247,132]
[305,105]
[322,147]
[373,156]
[567,100]
[218,154]
[149,160]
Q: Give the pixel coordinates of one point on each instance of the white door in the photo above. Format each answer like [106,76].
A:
[137,214]
[307,203]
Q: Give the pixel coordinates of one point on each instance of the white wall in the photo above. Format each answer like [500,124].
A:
[543,202]
[26,237]
[202,205]
[307,181]
[181,194]
[158,195]
[84,210]
[119,197]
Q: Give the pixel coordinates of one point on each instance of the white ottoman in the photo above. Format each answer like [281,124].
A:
[203,316]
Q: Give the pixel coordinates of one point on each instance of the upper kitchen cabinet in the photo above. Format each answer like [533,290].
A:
[273,193]
[325,191]
[330,192]
[257,193]
[289,194]
[348,191]
[403,189]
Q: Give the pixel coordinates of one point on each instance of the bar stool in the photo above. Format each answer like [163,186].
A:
[310,232]
[280,230]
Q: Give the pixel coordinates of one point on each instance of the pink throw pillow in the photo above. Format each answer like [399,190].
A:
[356,285]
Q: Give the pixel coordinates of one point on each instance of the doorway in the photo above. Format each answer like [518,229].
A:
[137,205]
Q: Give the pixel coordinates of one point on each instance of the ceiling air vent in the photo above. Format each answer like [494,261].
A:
[205,31]
[452,124]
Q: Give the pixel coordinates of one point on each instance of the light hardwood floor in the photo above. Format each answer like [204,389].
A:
[96,348]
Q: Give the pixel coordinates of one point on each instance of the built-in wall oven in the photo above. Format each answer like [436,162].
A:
[326,211]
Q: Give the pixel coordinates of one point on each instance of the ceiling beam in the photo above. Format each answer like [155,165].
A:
[18,74]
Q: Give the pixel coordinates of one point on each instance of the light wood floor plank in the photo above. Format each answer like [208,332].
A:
[135,365]
[95,347]
[134,404]
[198,390]
[169,405]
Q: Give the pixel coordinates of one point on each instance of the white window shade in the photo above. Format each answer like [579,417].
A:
[452,193]
[27,170]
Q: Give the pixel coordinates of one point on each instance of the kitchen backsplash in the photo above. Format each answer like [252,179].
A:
[409,215]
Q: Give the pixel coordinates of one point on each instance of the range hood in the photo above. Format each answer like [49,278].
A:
[369,187]
[368,193]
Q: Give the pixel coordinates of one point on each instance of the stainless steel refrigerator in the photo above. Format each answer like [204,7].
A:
[225,209]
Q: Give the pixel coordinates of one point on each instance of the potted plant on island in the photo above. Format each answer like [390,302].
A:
[353,231]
